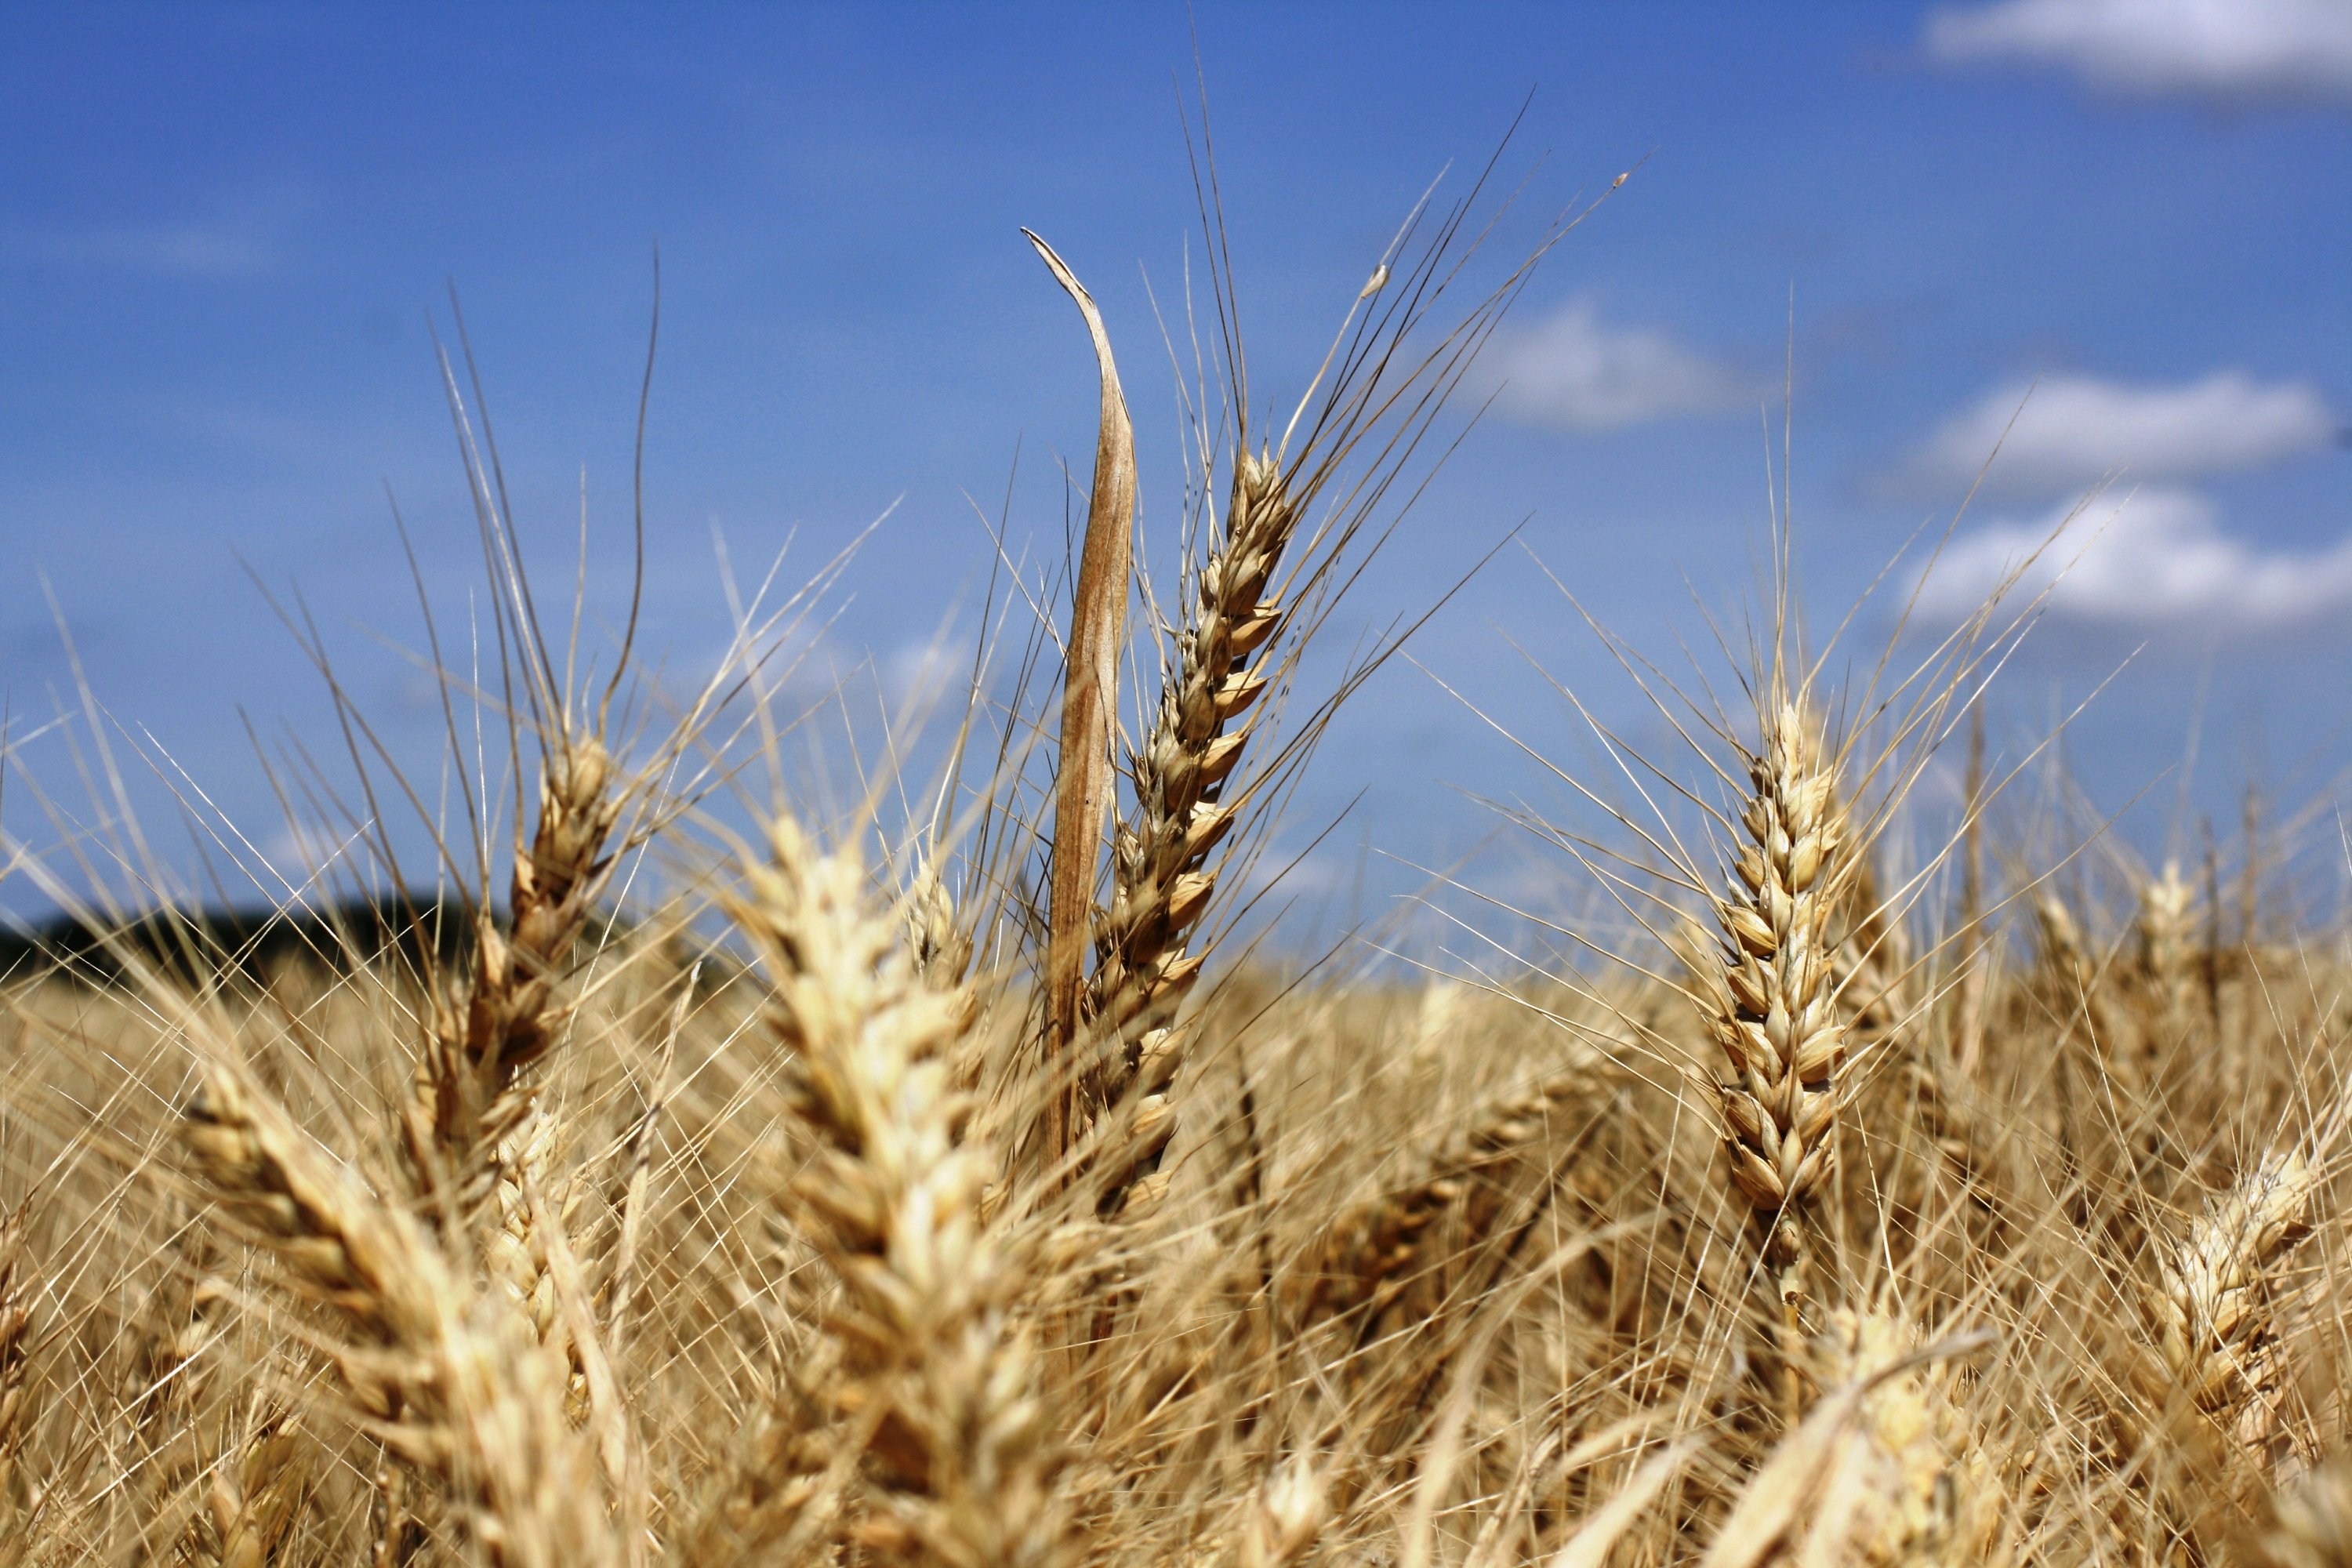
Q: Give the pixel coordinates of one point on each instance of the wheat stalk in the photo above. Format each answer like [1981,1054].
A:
[929,1357]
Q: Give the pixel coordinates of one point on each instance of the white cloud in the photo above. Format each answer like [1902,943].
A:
[2157,558]
[2213,48]
[1574,371]
[2075,430]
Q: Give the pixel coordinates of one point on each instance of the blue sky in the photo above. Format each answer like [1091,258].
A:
[224,229]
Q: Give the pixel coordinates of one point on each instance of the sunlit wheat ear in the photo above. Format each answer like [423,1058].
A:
[1915,1481]
[2215,1304]
[1770,997]
[1869,1477]
[1162,879]
[466,1393]
[761,1497]
[2067,973]
[507,1015]
[959,1457]
[1371,1255]
[15,1344]
[256,1486]
[2165,930]
[2311,1521]
[1289,1511]
[338,1245]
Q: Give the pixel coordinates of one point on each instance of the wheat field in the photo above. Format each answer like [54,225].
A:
[682,1170]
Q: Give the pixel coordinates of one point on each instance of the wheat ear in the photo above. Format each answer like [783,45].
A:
[473,1120]
[2165,914]
[2215,1304]
[1771,1002]
[1865,1477]
[470,1091]
[1770,998]
[1371,1255]
[16,1334]
[254,1494]
[2311,1522]
[959,1457]
[470,1396]
[1161,881]
[1915,1487]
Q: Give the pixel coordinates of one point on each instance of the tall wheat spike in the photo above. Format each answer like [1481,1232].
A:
[2166,912]
[960,1459]
[1770,995]
[255,1490]
[507,1016]
[1161,883]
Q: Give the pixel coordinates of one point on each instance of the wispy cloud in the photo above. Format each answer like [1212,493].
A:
[2232,49]
[2156,559]
[166,250]
[1573,371]
[2073,431]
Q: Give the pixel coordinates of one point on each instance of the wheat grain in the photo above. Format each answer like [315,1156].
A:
[2311,1522]
[1913,1483]
[2165,917]
[1376,1252]
[254,1492]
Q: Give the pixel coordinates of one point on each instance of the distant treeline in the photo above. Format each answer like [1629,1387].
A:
[209,943]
